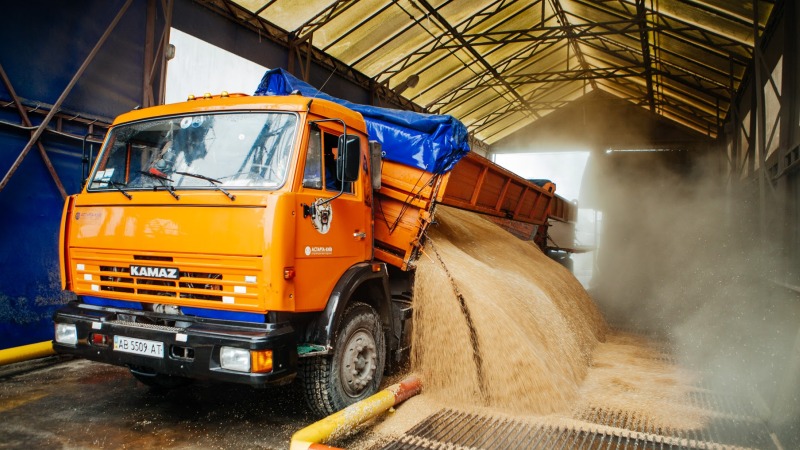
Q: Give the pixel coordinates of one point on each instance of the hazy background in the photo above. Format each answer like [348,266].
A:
[684,254]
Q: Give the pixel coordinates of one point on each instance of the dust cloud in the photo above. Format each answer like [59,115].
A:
[687,253]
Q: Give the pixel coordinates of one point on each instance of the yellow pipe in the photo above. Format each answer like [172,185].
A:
[339,423]
[26,352]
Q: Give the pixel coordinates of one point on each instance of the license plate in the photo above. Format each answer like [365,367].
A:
[142,347]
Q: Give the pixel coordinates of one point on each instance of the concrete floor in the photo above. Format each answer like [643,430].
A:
[82,404]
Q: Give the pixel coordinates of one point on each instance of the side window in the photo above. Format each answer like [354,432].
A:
[312,175]
[330,144]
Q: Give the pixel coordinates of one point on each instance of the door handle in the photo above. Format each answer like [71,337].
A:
[360,235]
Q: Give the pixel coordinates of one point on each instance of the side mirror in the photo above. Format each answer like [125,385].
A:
[87,158]
[347,164]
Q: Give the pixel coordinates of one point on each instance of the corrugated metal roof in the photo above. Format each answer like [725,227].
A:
[500,65]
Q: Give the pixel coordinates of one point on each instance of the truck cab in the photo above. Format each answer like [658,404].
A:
[230,238]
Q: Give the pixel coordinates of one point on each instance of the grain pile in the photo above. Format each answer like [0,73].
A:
[544,354]
[496,322]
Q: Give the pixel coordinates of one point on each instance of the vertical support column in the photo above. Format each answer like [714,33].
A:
[759,115]
[299,64]
[166,51]
[156,56]
[644,41]
[147,66]
[788,127]
[734,119]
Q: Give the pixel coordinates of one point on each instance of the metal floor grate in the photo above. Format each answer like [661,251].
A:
[733,426]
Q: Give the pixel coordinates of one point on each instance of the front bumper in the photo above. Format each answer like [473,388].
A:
[191,347]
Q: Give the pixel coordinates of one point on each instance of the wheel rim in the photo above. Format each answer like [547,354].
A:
[359,363]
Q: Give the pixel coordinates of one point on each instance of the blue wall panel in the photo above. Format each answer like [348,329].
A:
[29,272]
[43,45]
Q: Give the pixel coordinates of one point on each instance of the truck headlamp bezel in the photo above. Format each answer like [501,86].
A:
[233,358]
[66,333]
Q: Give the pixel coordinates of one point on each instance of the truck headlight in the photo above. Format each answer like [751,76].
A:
[66,333]
[233,358]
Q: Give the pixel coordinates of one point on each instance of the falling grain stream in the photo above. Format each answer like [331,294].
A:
[515,354]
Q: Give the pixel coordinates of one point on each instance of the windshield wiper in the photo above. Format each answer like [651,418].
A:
[154,173]
[117,186]
[157,174]
[214,182]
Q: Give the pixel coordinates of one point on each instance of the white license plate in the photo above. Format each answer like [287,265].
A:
[139,346]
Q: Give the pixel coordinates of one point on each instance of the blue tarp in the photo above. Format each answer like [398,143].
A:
[430,142]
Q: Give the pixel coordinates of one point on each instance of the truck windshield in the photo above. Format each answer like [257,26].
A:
[236,150]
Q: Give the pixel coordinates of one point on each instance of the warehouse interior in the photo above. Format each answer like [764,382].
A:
[685,106]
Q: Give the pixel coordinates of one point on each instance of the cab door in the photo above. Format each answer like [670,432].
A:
[333,220]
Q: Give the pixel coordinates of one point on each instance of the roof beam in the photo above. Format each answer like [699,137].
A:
[438,41]
[703,40]
[559,76]
[306,30]
[478,57]
[672,77]
[264,28]
[263,7]
[468,87]
[663,63]
[364,21]
[677,29]
[580,32]
[562,18]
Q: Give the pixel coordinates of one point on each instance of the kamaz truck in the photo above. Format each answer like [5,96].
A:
[262,239]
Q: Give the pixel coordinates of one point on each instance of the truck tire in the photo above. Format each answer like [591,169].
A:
[158,380]
[355,369]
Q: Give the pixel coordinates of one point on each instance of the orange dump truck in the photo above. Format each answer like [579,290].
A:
[257,240]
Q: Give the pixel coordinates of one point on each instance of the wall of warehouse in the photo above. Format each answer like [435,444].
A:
[39,65]
[761,150]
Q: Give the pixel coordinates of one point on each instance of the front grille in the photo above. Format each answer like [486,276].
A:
[201,279]
[206,284]
[116,279]
[191,285]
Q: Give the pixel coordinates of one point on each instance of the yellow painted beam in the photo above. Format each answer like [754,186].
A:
[26,352]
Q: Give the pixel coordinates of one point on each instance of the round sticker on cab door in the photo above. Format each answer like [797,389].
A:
[323,217]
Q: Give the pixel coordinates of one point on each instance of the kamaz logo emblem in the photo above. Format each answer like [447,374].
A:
[170,273]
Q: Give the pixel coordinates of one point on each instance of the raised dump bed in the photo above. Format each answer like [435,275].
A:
[406,203]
